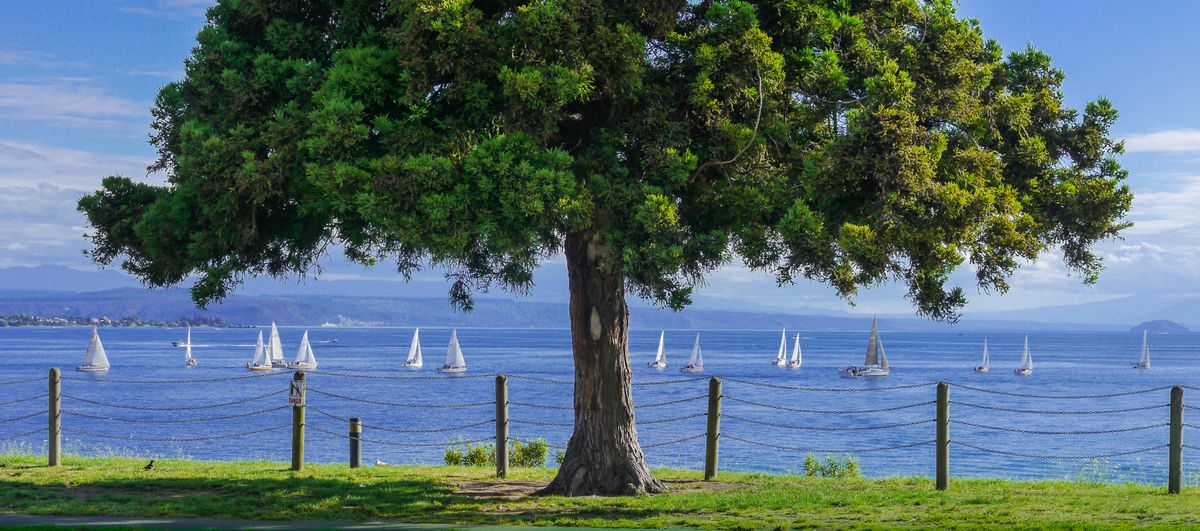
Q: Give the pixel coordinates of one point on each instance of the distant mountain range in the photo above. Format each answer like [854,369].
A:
[56,291]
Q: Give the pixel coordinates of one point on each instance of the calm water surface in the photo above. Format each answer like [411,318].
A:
[1067,363]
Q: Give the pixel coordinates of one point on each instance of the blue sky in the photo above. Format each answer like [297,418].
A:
[77,79]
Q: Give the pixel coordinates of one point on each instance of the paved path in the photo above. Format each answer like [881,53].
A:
[101,522]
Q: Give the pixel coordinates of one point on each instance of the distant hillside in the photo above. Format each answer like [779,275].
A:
[313,310]
[1161,326]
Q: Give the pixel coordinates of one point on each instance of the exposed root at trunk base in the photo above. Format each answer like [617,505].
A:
[577,479]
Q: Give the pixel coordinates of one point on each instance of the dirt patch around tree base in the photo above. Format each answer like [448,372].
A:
[512,490]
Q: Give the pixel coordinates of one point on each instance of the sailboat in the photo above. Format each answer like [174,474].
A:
[795,361]
[187,354]
[876,363]
[261,361]
[984,366]
[414,360]
[660,359]
[94,360]
[1144,360]
[696,362]
[1026,367]
[275,349]
[305,360]
[454,357]
[781,356]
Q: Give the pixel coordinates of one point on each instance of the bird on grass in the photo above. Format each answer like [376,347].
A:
[149,466]
[378,462]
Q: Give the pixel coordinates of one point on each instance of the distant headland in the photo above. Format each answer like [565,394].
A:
[1161,326]
[35,320]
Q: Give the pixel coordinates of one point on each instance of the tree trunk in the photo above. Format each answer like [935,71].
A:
[603,456]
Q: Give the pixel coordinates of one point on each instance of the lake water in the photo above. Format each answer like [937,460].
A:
[1067,363]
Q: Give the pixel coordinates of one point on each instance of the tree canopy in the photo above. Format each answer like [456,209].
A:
[852,142]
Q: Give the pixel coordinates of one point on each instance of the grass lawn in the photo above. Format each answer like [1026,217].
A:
[267,490]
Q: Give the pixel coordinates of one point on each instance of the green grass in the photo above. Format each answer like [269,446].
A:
[267,490]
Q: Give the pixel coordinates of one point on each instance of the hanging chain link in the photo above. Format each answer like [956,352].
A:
[1063,397]
[831,411]
[172,382]
[397,404]
[24,380]
[1044,412]
[401,443]
[180,439]
[823,450]
[26,399]
[540,423]
[22,435]
[673,441]
[1060,457]
[183,408]
[669,420]
[669,382]
[672,402]
[23,417]
[174,421]
[399,430]
[1070,432]
[540,406]
[826,428]
[830,389]
[540,379]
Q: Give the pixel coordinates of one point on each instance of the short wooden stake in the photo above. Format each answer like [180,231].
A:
[54,416]
[713,434]
[1175,474]
[355,442]
[501,426]
[298,425]
[943,436]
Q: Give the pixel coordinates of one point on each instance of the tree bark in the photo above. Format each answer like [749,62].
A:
[603,456]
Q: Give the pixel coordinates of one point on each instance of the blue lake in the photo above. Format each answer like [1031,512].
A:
[755,438]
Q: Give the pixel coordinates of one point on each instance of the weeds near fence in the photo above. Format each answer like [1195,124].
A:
[832,466]
[531,454]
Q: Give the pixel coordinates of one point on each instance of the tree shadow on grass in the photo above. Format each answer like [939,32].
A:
[415,500]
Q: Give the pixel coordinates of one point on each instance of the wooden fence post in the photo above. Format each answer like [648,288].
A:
[298,421]
[501,426]
[54,416]
[1175,474]
[355,442]
[714,429]
[943,436]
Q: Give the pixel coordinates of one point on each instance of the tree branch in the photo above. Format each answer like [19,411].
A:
[753,135]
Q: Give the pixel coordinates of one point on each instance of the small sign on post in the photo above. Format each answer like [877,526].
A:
[296,393]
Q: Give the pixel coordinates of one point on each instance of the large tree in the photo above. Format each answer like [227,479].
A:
[852,142]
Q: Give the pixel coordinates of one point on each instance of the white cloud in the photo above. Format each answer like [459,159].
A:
[1168,140]
[67,102]
[28,164]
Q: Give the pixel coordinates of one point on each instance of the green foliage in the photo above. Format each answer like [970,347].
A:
[853,143]
[531,454]
[832,466]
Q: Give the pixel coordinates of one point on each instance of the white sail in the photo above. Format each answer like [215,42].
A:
[1026,359]
[187,354]
[275,346]
[661,356]
[986,361]
[1144,359]
[782,354]
[260,353]
[873,344]
[94,358]
[414,350]
[697,359]
[454,355]
[796,352]
[883,363]
[305,356]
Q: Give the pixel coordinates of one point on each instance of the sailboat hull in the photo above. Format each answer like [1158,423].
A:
[1023,372]
[793,365]
[657,364]
[302,366]
[452,370]
[864,372]
[258,367]
[778,362]
[191,363]
[90,368]
[692,368]
[1140,366]
[413,365]
[981,369]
